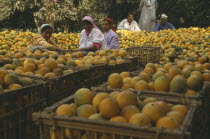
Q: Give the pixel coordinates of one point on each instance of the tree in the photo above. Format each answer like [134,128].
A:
[5,9]
[17,12]
[67,14]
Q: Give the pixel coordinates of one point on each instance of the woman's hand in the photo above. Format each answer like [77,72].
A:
[60,50]
[91,48]
[79,49]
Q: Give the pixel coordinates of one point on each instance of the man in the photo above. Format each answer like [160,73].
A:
[164,25]
[148,15]
[128,24]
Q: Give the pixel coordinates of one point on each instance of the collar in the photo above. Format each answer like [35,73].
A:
[128,22]
[88,33]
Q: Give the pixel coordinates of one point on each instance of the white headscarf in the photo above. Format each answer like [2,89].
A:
[164,16]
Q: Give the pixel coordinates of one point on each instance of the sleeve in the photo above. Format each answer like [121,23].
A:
[121,25]
[171,26]
[136,27]
[157,27]
[141,4]
[149,3]
[81,41]
[98,38]
[97,45]
[114,42]
[53,43]
[44,43]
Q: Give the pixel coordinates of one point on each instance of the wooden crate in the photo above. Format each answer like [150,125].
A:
[206,104]
[16,108]
[62,86]
[55,125]
[99,74]
[146,55]
[202,96]
[96,81]
[94,76]
[134,63]
[97,71]
[117,68]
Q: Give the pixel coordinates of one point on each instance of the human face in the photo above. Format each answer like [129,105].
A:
[106,26]
[87,26]
[163,21]
[130,18]
[47,34]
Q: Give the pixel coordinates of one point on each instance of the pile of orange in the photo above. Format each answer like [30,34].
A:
[123,107]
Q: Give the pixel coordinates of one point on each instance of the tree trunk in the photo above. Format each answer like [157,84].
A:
[66,29]
[50,13]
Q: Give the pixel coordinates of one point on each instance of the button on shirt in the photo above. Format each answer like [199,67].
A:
[167,26]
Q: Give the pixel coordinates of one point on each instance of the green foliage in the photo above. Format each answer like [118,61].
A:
[5,9]
[185,13]
[68,13]
[22,5]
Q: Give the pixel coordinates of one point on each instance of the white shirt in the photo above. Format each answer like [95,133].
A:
[125,25]
[95,36]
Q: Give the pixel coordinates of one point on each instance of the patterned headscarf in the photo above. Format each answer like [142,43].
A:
[90,19]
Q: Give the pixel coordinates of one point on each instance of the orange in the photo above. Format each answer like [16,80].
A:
[176,115]
[109,107]
[167,122]
[126,98]
[140,119]
[86,110]
[115,80]
[83,96]
[153,111]
[119,119]
[129,110]
[180,108]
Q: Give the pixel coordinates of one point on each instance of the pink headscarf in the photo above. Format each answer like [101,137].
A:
[90,19]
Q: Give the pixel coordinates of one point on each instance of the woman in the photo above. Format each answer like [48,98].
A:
[111,37]
[148,15]
[42,41]
[91,38]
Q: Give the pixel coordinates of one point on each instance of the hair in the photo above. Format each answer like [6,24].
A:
[45,28]
[130,14]
[87,22]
